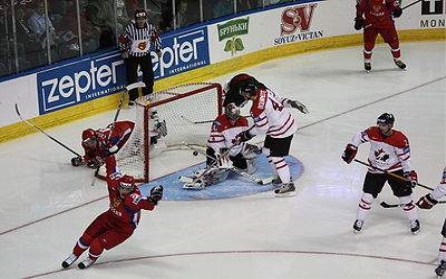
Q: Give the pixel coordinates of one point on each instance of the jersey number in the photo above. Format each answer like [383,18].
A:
[276,105]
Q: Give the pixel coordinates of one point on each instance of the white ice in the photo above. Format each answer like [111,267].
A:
[46,203]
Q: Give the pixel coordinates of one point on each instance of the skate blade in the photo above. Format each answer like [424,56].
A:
[285,195]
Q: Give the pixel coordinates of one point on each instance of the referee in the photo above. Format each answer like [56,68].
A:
[136,42]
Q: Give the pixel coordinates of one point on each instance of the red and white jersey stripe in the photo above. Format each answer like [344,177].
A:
[270,116]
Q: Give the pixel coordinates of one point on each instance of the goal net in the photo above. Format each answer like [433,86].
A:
[165,121]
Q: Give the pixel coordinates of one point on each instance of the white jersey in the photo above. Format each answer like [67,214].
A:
[224,131]
[390,153]
[440,190]
[270,116]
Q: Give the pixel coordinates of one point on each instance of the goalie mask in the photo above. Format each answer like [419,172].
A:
[232,111]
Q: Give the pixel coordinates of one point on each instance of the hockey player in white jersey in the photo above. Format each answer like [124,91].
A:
[389,151]
[427,202]
[271,118]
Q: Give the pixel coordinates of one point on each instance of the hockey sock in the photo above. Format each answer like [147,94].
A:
[442,250]
[80,247]
[365,204]
[367,56]
[96,249]
[267,153]
[409,207]
[282,169]
[396,53]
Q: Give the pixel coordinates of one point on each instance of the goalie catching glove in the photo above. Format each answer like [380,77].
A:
[156,194]
[349,153]
[242,137]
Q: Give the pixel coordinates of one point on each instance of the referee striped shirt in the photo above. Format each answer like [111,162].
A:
[138,41]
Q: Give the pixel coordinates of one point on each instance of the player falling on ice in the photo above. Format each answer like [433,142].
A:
[271,118]
[118,223]
[427,202]
[96,142]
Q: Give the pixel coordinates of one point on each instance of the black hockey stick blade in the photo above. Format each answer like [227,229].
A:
[386,205]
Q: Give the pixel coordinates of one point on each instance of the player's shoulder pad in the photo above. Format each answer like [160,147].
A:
[259,103]
[398,139]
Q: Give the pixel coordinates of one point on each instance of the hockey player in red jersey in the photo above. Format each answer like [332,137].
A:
[389,151]
[376,17]
[118,223]
[221,154]
[97,143]
[271,118]
[427,202]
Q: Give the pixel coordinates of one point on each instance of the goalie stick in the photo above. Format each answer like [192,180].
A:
[45,133]
[391,174]
[241,172]
[386,205]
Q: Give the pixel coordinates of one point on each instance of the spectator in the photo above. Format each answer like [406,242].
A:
[223,7]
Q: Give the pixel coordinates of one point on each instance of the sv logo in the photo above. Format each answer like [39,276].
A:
[297,17]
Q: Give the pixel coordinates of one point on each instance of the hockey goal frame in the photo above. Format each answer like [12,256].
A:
[147,103]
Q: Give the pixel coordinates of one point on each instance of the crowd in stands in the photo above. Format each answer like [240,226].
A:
[36,33]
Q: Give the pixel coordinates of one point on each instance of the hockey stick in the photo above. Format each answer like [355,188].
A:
[386,205]
[118,110]
[204,121]
[45,133]
[391,174]
[238,171]
[403,8]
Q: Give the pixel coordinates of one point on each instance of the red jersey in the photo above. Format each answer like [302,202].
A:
[386,152]
[224,131]
[123,212]
[109,139]
[377,12]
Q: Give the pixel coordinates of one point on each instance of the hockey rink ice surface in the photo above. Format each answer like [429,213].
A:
[47,204]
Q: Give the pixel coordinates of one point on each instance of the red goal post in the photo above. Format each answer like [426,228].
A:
[164,121]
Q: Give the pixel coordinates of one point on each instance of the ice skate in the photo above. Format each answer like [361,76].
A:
[86,263]
[441,268]
[415,227]
[285,190]
[277,182]
[400,64]
[357,226]
[367,67]
[69,261]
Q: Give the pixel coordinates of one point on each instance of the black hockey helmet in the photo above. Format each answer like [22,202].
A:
[386,118]
[140,14]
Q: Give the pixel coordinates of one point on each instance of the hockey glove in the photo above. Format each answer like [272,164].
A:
[242,137]
[156,194]
[359,23]
[412,178]
[94,164]
[426,202]
[349,153]
[76,161]
[298,105]
[398,12]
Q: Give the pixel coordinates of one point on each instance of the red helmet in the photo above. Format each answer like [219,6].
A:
[127,182]
[88,134]
[89,139]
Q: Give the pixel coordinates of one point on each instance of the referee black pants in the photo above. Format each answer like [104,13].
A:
[145,62]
